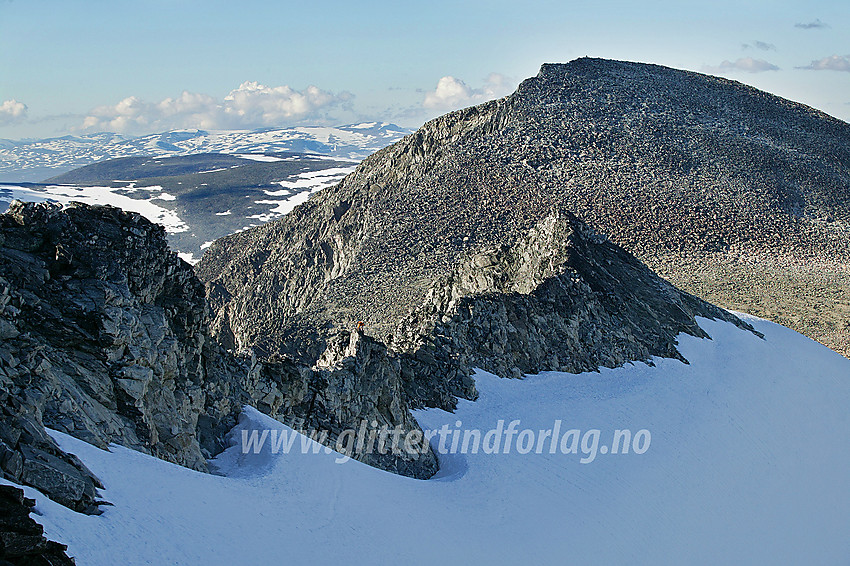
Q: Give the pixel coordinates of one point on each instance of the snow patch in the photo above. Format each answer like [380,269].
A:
[188,258]
[258,157]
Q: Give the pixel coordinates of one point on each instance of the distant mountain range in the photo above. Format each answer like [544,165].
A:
[37,160]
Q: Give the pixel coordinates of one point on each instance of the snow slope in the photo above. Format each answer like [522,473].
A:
[748,464]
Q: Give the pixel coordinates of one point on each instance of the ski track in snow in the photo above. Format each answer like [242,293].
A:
[747,465]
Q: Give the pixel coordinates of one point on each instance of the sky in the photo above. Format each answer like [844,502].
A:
[85,66]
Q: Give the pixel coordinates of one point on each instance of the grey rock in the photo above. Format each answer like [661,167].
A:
[109,343]
[65,483]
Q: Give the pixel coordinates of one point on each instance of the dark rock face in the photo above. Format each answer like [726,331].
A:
[104,337]
[456,251]
[21,538]
[29,456]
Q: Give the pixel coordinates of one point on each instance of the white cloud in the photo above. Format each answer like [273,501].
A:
[12,111]
[454,93]
[831,63]
[251,105]
[265,105]
[450,92]
[747,64]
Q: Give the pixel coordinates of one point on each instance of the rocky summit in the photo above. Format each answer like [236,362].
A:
[454,249]
[735,195]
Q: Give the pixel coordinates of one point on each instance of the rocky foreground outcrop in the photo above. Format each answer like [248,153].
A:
[22,540]
[104,336]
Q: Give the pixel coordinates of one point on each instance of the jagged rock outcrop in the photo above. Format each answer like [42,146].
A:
[103,335]
[563,298]
[352,385]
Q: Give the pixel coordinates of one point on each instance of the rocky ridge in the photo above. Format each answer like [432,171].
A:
[692,174]
[562,297]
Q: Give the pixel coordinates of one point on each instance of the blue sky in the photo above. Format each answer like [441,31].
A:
[152,65]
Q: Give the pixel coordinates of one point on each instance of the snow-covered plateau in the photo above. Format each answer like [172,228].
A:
[192,205]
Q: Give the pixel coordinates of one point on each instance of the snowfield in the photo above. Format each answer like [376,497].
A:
[748,464]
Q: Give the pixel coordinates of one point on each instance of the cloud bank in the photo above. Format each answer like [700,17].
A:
[452,93]
[746,64]
[12,111]
[831,63]
[251,105]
